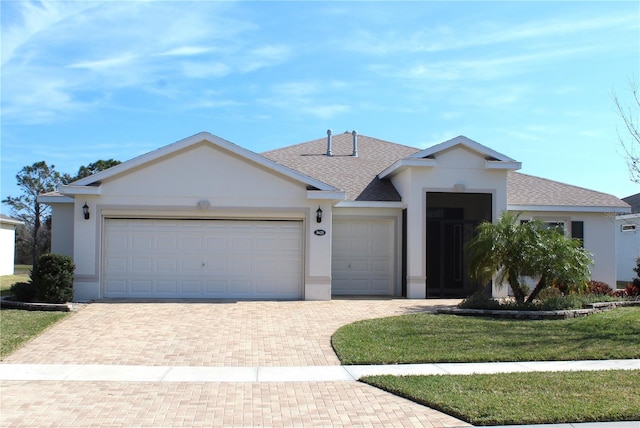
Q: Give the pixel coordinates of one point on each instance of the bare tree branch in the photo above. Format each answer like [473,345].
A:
[630,142]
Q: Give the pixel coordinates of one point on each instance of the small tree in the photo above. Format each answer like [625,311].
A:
[560,261]
[34,180]
[514,250]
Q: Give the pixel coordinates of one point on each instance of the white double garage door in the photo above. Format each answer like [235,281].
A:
[237,259]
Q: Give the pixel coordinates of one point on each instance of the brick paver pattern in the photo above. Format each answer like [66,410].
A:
[233,334]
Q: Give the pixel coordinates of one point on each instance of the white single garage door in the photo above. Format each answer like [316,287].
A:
[363,257]
[160,258]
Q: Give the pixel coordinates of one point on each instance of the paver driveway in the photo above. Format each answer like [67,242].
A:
[232,334]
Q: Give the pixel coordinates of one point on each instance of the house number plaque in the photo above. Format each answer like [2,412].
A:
[319,232]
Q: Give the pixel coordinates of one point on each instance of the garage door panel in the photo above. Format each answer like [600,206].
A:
[363,257]
[202,259]
[141,286]
[116,286]
[164,286]
[191,287]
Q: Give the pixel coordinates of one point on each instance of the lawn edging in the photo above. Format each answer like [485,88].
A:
[7,303]
[588,309]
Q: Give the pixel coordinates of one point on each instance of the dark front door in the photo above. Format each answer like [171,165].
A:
[447,267]
[451,221]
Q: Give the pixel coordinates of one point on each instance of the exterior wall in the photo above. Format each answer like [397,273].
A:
[599,239]
[7,248]
[457,170]
[201,182]
[627,247]
[62,228]
[380,213]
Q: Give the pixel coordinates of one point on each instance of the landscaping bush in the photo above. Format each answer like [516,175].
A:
[53,278]
[633,289]
[599,288]
[560,303]
[549,292]
[552,299]
[23,292]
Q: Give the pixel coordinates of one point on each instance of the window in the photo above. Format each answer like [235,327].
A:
[629,228]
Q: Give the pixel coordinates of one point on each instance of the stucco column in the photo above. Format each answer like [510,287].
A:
[317,284]
[416,257]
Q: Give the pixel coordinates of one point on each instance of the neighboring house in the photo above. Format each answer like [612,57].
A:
[8,243]
[628,239]
[342,215]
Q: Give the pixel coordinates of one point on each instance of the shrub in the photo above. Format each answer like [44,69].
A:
[599,288]
[549,292]
[53,278]
[631,290]
[560,303]
[23,292]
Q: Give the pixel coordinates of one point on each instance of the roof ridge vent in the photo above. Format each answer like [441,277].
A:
[355,143]
[329,143]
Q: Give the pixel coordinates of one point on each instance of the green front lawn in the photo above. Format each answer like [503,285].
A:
[21,274]
[19,326]
[429,338]
[524,398]
[513,398]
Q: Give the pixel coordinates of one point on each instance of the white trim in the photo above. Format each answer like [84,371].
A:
[405,163]
[72,189]
[11,221]
[326,195]
[513,165]
[197,139]
[55,199]
[466,142]
[371,204]
[567,208]
[628,216]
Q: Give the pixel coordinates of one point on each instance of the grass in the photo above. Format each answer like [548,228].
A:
[21,274]
[428,338]
[510,398]
[524,398]
[19,326]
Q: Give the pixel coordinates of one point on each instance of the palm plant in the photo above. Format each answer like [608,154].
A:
[512,251]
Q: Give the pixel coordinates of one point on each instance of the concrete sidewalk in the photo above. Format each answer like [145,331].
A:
[134,373]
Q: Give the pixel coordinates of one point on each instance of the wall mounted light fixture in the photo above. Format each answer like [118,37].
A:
[319,215]
[85,211]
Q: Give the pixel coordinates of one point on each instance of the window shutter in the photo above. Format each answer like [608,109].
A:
[577,231]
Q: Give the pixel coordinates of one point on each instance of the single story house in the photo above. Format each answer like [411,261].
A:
[342,215]
[628,239]
[8,243]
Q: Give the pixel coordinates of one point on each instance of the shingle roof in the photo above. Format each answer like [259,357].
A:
[357,176]
[528,190]
[634,201]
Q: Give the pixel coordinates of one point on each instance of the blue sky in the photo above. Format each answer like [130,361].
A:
[83,81]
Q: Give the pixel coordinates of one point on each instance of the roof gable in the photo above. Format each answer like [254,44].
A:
[91,184]
[484,151]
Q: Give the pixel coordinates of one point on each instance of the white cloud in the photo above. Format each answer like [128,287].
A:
[264,56]
[312,97]
[104,64]
[201,70]
[69,49]
[186,51]
[456,37]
